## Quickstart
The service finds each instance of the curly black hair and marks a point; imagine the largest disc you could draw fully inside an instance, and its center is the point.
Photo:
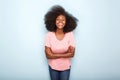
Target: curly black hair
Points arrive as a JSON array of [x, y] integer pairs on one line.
[[53, 13]]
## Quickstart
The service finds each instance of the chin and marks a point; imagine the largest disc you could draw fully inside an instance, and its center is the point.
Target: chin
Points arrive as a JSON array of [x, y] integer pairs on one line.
[[60, 27]]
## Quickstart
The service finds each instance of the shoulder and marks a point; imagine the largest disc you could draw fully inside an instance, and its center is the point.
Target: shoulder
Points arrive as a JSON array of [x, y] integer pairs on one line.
[[69, 33], [49, 34]]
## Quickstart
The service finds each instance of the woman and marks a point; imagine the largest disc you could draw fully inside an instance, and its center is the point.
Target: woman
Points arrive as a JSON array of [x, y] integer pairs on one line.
[[59, 44]]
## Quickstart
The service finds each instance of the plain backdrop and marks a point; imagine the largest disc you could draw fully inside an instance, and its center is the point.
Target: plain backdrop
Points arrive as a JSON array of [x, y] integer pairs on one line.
[[22, 38]]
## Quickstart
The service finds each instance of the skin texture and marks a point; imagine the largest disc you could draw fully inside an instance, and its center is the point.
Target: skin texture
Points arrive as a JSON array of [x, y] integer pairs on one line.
[[60, 23]]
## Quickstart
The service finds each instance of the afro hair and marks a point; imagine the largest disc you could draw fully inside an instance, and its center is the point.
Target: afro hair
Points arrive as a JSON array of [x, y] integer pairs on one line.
[[53, 13]]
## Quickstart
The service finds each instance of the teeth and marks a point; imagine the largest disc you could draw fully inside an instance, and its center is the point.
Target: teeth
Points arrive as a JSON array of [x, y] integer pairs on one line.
[[60, 24]]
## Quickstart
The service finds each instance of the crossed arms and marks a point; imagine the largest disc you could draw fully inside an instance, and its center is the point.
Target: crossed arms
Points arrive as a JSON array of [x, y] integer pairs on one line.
[[51, 55]]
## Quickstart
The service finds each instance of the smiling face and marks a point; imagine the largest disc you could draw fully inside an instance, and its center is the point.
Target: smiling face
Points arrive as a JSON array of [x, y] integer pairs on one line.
[[60, 21]]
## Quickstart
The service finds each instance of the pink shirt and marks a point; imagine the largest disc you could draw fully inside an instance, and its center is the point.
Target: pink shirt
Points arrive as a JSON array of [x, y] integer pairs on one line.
[[59, 46]]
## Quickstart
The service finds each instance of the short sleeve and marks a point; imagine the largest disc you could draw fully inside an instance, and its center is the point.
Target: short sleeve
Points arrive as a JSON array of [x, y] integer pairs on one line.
[[47, 40], [71, 40]]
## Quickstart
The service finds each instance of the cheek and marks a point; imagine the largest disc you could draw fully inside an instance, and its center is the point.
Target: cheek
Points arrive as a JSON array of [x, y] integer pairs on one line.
[[57, 21], [64, 22]]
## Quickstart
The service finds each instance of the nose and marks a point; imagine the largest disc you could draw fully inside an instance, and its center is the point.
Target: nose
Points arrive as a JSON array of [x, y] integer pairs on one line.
[[60, 21]]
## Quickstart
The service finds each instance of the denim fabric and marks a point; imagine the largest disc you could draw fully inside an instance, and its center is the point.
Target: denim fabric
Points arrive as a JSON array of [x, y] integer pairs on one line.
[[59, 75]]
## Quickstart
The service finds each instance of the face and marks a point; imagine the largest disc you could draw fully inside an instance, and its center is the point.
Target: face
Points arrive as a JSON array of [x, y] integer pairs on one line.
[[60, 21]]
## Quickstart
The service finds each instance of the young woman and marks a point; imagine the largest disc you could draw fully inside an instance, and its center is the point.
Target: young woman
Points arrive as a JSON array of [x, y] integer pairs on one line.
[[60, 43]]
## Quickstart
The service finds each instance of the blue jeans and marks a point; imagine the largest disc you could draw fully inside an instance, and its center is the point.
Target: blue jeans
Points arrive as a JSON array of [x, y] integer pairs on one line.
[[59, 75]]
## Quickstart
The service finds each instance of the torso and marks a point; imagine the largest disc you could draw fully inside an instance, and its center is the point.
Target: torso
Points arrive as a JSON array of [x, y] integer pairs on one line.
[[59, 44]]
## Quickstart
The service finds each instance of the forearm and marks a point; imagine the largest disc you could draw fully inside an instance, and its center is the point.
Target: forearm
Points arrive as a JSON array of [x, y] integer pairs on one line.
[[60, 55], [51, 55], [67, 55], [70, 53]]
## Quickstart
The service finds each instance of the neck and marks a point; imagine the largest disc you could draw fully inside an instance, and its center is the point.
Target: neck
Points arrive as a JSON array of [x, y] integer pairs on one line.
[[59, 31]]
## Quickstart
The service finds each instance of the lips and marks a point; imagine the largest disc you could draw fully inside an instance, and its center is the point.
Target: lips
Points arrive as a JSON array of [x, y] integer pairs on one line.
[[60, 24]]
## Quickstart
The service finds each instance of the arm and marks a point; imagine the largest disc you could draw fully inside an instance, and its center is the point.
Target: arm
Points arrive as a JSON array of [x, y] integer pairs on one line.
[[70, 53], [51, 55]]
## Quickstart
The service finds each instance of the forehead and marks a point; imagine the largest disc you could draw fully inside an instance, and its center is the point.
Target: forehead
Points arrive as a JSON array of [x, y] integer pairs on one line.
[[61, 16]]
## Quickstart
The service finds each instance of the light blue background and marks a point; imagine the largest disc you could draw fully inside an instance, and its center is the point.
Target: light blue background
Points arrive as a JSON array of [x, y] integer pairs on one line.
[[22, 33]]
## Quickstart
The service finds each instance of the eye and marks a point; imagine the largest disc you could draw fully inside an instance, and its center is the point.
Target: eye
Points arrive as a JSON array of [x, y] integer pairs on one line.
[[57, 19], [63, 20], [60, 19]]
